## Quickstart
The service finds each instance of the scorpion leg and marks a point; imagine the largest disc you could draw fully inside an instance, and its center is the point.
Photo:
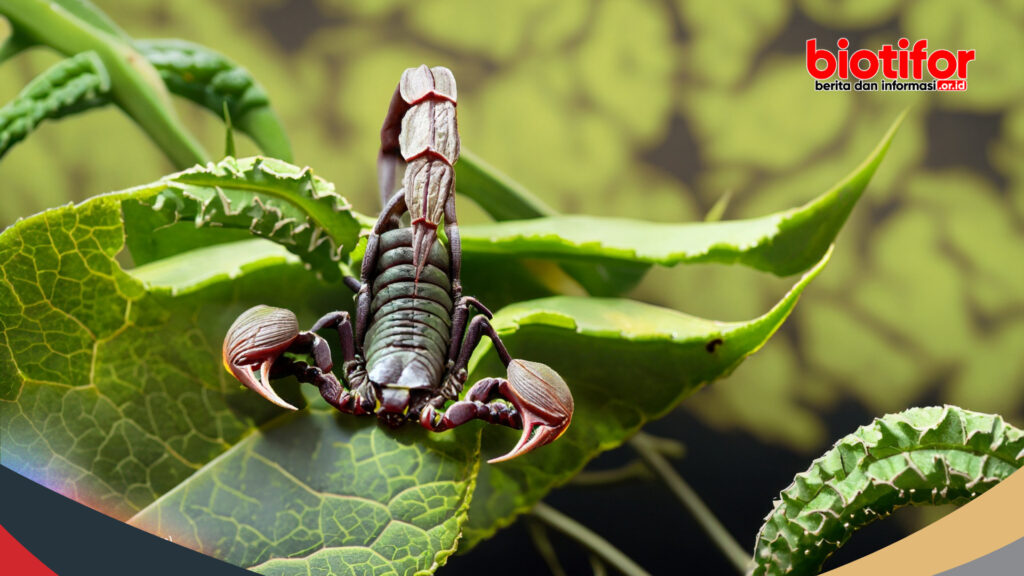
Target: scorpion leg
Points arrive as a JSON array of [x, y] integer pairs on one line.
[[352, 283], [541, 403], [534, 398], [362, 397], [459, 316], [451, 229], [479, 327], [464, 341]]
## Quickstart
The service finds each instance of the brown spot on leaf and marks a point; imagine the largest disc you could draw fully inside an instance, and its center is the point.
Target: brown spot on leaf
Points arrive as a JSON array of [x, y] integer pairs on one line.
[[713, 345]]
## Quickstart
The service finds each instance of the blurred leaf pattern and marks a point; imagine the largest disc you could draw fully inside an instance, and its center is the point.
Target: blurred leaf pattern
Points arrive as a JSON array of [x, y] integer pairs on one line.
[[654, 110]]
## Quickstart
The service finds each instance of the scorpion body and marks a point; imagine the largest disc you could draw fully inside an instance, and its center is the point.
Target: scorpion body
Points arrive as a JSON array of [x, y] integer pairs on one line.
[[405, 356], [407, 343]]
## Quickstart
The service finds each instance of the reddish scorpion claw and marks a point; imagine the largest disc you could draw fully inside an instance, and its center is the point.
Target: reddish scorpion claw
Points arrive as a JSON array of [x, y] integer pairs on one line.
[[543, 401], [257, 338]]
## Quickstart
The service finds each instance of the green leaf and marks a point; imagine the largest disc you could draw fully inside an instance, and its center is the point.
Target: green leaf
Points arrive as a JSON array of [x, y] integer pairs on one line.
[[213, 81], [261, 196], [783, 243], [92, 15], [921, 456], [626, 363], [187, 69], [72, 85], [315, 492], [229, 133], [498, 195], [112, 392], [505, 199], [193, 270], [13, 45]]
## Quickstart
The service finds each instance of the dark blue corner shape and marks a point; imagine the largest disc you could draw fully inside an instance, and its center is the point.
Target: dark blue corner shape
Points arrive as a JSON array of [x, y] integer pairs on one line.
[[73, 539]]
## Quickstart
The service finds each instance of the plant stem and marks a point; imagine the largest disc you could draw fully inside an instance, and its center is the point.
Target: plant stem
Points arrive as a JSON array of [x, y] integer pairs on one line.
[[586, 537], [718, 209], [634, 470], [543, 545], [667, 447], [597, 566], [135, 85], [692, 502]]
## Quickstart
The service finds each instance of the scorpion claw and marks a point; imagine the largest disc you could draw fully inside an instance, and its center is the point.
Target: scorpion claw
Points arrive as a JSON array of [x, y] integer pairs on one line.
[[257, 338], [543, 401]]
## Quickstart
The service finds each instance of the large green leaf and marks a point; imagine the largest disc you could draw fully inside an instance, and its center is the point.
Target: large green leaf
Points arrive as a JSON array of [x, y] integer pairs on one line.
[[102, 378], [318, 492], [782, 243], [113, 393], [626, 363]]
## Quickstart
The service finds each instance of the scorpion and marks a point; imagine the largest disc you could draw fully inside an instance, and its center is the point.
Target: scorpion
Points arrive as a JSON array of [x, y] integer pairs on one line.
[[407, 351]]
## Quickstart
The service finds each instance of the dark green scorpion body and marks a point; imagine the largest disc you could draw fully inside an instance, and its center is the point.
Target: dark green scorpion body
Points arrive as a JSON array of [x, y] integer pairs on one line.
[[406, 344]]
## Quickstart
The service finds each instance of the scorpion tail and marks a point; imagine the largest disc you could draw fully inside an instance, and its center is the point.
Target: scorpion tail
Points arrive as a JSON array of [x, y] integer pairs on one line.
[[424, 233]]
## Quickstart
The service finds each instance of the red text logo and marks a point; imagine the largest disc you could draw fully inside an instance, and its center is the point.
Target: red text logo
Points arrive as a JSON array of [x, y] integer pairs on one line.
[[904, 62]]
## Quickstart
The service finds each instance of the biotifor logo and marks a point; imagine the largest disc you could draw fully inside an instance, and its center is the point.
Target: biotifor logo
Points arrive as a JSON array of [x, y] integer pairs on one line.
[[903, 68]]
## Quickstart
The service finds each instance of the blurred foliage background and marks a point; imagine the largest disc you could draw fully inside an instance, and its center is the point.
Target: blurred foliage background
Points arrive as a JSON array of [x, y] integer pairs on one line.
[[654, 110]]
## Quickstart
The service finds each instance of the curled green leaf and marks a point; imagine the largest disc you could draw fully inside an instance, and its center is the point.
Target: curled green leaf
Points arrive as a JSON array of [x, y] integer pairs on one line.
[[921, 456], [75, 26], [184, 68], [213, 81], [266, 197], [72, 85]]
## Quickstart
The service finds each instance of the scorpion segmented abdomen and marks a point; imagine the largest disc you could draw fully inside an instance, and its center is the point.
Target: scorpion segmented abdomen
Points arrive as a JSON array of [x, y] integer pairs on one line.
[[406, 344]]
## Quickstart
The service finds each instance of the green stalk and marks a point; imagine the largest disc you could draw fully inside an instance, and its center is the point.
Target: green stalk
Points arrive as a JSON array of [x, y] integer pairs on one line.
[[543, 545], [661, 467], [591, 541], [136, 86]]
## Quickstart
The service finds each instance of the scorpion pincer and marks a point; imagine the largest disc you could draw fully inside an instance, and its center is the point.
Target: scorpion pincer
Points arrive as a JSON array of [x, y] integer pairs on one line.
[[405, 356]]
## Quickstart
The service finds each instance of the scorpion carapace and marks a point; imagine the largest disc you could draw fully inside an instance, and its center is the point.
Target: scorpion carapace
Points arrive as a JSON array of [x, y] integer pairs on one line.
[[405, 356]]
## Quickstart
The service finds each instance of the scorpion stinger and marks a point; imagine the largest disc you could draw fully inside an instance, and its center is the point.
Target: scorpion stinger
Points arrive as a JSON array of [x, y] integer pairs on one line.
[[407, 350]]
